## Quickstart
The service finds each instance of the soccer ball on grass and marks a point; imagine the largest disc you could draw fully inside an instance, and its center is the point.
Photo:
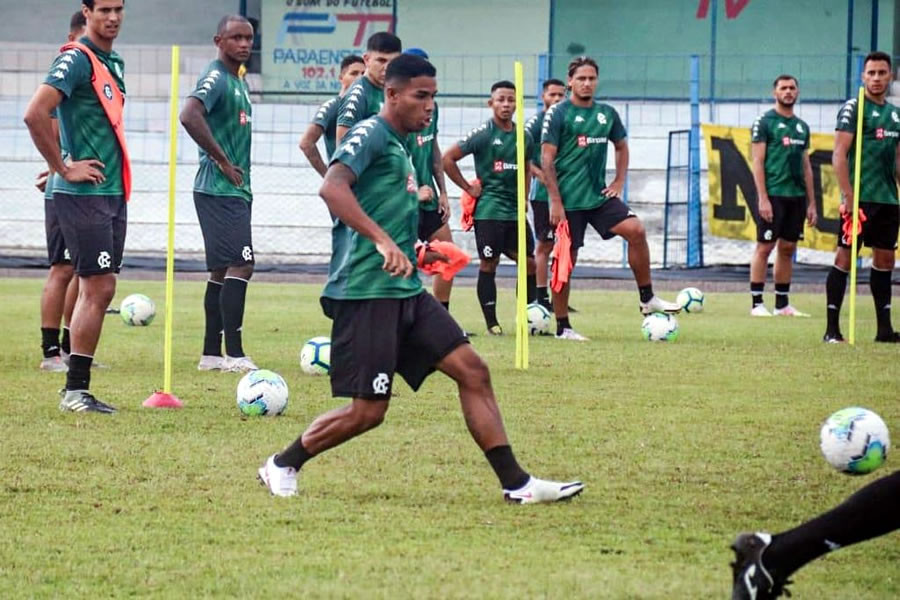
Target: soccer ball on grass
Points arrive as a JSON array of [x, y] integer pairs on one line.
[[690, 299], [855, 441], [137, 309], [262, 393], [538, 319], [315, 356], [660, 327]]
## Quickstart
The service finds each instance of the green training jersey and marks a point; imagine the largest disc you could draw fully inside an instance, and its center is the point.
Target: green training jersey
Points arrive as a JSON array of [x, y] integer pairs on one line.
[[421, 148], [386, 190], [362, 100], [786, 140], [581, 136], [326, 118], [494, 151], [226, 98], [84, 128], [881, 133], [533, 127]]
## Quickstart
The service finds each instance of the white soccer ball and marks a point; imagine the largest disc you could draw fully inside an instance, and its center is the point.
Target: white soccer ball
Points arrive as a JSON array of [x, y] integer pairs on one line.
[[538, 319], [315, 356], [690, 299], [137, 309], [660, 327], [262, 393], [855, 441]]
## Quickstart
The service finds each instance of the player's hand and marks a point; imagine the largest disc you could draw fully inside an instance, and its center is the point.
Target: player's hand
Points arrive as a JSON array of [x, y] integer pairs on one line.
[[557, 213], [433, 256], [396, 263], [41, 181], [765, 210], [84, 171], [444, 207], [812, 216], [613, 190], [233, 173], [475, 189], [425, 193]]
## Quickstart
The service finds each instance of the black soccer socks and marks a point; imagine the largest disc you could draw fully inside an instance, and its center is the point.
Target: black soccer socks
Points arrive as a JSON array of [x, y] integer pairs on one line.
[[233, 296], [50, 341], [880, 284], [79, 375], [487, 297], [835, 287], [508, 471], [756, 292], [782, 294], [212, 339]]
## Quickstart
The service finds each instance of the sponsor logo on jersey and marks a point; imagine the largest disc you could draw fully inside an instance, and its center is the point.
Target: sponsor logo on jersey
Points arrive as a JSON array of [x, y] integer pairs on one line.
[[500, 166], [421, 140], [411, 184], [882, 133], [243, 118], [585, 140], [787, 141]]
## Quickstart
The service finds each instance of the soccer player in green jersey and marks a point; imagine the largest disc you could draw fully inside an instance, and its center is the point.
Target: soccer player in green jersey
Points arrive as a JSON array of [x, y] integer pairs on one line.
[[218, 117], [493, 146], [383, 321], [763, 561], [784, 191], [89, 188], [877, 195], [366, 96], [61, 288], [325, 121], [434, 206], [553, 92], [574, 140]]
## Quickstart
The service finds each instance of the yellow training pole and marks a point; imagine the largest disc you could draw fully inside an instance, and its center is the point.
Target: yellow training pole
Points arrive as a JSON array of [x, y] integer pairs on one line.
[[857, 169], [166, 399], [522, 263]]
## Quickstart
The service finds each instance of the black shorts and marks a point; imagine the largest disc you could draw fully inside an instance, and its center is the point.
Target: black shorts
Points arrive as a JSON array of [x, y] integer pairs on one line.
[[602, 218], [542, 229], [93, 228], [429, 222], [788, 215], [495, 237], [880, 229], [225, 224], [373, 339], [57, 253]]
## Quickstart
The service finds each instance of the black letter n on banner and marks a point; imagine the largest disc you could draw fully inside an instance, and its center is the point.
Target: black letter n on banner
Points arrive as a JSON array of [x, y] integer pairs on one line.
[[734, 174]]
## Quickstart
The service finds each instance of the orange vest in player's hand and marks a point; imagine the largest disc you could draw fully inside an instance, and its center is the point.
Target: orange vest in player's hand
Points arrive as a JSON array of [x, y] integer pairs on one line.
[[113, 102]]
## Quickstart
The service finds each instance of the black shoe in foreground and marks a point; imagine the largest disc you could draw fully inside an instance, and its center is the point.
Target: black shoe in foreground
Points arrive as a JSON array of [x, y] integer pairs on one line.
[[82, 401], [833, 338], [890, 338], [751, 580]]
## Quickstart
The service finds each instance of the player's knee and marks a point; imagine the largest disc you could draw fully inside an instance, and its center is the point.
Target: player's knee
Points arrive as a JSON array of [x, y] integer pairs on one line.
[[98, 289], [635, 231], [61, 273], [787, 249], [544, 248], [530, 266], [368, 414], [218, 275], [883, 260], [475, 372], [488, 265], [242, 271], [842, 259]]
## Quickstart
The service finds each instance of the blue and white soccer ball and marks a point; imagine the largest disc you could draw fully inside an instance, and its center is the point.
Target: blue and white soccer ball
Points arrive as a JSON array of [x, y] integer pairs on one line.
[[315, 356], [855, 441], [690, 299], [660, 327], [538, 319], [137, 309], [262, 393]]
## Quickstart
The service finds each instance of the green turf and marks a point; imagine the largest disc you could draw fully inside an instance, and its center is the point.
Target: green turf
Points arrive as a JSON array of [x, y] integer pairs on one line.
[[680, 445]]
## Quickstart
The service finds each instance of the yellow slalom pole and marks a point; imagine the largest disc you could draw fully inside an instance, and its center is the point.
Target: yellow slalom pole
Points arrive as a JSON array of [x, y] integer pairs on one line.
[[522, 263], [857, 169], [170, 246], [166, 399]]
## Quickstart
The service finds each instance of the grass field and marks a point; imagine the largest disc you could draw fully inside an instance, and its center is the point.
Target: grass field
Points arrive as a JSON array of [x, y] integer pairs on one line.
[[681, 446]]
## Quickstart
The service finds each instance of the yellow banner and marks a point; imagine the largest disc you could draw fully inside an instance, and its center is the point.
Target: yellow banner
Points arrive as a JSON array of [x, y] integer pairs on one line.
[[732, 193]]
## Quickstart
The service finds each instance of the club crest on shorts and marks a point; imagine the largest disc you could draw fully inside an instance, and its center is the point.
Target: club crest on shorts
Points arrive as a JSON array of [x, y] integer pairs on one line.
[[104, 260], [247, 254], [380, 384]]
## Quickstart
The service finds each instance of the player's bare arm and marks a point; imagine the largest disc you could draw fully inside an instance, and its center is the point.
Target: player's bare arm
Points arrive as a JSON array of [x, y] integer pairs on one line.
[[193, 118], [843, 143], [614, 189], [551, 182], [451, 157], [338, 195], [758, 150], [812, 216], [536, 172], [438, 170], [46, 139], [308, 146]]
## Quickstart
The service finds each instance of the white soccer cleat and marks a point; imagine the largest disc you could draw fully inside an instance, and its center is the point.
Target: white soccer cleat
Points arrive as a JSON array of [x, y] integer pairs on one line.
[[243, 364], [54, 364], [789, 311], [657, 304], [539, 490], [760, 310], [209, 362], [281, 481], [570, 334]]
